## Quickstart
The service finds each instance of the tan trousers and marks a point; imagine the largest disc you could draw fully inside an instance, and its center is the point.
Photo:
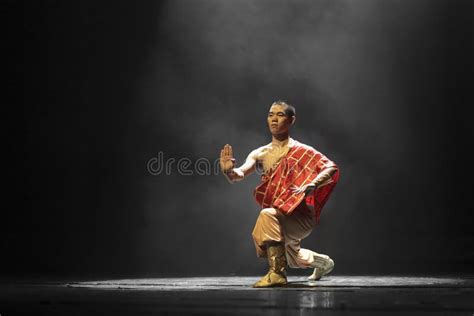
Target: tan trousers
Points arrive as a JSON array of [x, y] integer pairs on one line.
[[274, 226]]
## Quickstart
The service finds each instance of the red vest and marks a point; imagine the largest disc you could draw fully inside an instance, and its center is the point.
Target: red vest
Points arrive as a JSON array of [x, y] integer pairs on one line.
[[300, 166]]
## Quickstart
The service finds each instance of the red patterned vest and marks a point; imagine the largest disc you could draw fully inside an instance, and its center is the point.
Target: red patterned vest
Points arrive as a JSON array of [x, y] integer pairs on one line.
[[300, 166]]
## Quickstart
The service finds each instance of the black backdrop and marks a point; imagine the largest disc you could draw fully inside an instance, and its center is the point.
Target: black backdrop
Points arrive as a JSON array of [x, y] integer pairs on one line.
[[97, 89]]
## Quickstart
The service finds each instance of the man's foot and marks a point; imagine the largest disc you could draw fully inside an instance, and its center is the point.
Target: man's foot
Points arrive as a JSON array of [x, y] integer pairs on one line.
[[271, 279], [276, 275], [321, 271]]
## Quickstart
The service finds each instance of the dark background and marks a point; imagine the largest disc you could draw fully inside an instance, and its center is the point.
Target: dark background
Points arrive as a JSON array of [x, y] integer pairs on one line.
[[97, 89]]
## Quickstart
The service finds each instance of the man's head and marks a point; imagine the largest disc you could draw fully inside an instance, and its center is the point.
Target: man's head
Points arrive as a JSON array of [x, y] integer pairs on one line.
[[280, 117]]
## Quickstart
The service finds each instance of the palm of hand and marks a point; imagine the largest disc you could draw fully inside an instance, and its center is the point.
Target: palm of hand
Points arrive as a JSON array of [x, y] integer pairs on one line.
[[227, 160]]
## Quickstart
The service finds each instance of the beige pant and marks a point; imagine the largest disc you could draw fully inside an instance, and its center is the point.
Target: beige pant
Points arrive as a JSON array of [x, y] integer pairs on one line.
[[274, 226]]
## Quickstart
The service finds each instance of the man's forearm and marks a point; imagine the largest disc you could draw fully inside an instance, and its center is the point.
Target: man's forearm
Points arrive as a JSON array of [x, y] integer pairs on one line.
[[324, 177]]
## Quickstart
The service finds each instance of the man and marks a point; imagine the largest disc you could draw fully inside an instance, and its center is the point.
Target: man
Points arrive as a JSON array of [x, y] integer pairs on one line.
[[296, 183]]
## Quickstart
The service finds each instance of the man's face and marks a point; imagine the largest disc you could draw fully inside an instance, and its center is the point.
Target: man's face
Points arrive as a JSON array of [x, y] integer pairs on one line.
[[278, 121]]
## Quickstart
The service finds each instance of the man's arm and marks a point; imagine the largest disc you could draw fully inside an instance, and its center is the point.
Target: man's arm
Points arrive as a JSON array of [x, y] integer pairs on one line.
[[227, 162], [238, 174], [323, 178]]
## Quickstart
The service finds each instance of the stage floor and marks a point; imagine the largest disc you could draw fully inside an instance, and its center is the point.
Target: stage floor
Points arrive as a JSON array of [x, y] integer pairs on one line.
[[360, 295]]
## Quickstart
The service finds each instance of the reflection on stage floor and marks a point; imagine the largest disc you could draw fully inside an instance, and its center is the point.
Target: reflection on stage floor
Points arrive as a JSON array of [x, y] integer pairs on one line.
[[235, 296]]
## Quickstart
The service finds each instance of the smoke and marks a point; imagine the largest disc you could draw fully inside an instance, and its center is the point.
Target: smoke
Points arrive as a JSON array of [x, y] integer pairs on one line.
[[211, 82], [216, 68]]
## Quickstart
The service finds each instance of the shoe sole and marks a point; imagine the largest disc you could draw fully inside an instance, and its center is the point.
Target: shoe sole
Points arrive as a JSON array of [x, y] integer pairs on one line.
[[271, 285]]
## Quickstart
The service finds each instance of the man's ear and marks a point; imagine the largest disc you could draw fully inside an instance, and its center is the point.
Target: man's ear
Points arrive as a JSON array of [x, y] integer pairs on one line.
[[293, 119]]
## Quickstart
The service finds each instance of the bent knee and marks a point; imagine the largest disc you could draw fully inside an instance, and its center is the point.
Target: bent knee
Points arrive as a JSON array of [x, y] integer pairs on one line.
[[268, 212]]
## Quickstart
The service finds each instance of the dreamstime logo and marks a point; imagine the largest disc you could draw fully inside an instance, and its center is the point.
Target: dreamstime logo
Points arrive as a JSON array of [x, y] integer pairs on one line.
[[185, 166]]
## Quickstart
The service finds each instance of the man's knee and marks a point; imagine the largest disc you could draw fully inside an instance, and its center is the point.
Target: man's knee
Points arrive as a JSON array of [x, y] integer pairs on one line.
[[267, 223], [270, 211]]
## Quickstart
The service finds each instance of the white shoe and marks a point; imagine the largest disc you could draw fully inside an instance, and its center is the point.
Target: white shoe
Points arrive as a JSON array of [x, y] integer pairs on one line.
[[322, 271]]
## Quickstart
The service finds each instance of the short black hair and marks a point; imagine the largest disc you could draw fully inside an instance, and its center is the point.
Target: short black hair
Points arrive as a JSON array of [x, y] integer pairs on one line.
[[290, 110]]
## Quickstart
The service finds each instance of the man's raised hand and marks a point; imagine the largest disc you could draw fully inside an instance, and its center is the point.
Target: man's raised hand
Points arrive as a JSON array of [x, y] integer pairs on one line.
[[227, 160]]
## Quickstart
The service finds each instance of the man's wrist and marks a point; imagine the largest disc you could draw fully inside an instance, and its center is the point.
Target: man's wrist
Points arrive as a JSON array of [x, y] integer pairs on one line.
[[229, 172]]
